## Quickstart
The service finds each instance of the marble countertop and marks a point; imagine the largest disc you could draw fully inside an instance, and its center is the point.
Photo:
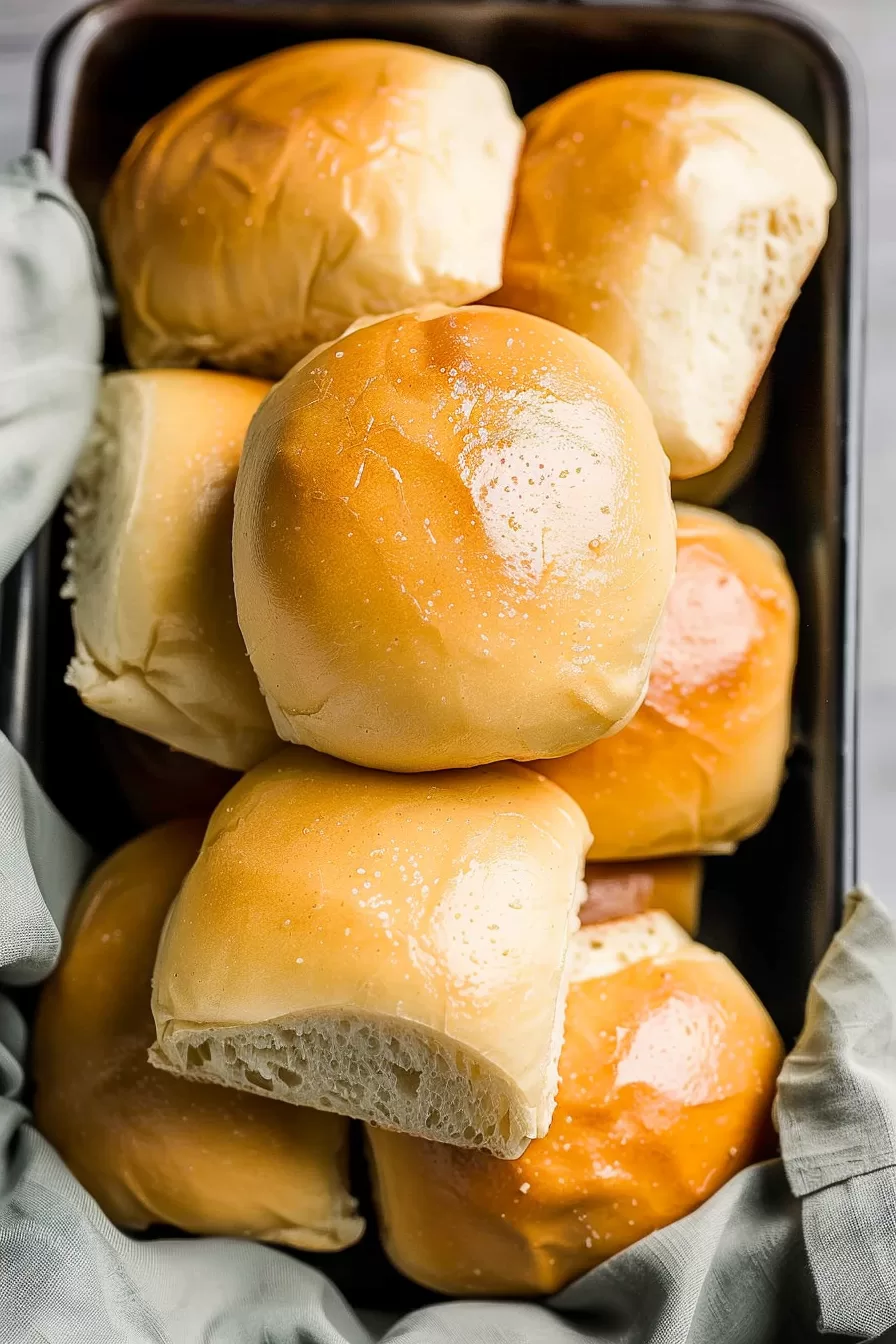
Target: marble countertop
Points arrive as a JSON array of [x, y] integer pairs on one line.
[[870, 28]]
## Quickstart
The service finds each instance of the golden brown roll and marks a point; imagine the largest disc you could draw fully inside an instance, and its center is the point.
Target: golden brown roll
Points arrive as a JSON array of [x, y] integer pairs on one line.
[[148, 1147], [391, 947], [713, 487], [699, 767], [621, 890], [275, 203], [453, 539], [157, 644], [667, 1078], [672, 220]]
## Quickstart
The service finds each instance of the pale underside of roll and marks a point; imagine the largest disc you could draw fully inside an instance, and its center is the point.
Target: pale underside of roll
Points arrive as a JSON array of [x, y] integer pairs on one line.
[[157, 644]]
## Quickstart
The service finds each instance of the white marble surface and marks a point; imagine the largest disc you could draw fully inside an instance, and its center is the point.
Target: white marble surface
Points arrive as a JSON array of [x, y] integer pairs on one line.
[[870, 28]]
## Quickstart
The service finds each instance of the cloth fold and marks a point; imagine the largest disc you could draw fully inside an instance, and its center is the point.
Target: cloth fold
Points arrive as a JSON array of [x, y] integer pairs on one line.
[[836, 1111], [50, 341], [787, 1248]]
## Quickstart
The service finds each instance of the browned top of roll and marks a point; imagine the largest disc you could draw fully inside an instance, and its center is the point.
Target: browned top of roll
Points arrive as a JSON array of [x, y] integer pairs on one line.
[[453, 538], [273, 204], [699, 767]]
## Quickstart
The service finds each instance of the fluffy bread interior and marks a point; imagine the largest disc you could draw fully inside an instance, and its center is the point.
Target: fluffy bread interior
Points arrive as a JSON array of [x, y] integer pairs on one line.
[[388, 1072], [600, 950], [721, 312]]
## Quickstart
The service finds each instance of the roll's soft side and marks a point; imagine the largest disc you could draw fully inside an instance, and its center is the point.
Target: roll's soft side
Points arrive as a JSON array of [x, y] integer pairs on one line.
[[157, 644], [390, 947], [672, 220]]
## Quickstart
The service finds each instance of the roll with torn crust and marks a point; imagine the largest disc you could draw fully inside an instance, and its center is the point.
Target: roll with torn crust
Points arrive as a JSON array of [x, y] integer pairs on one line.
[[275, 203], [667, 1079], [699, 767], [391, 947], [453, 539], [148, 1147], [672, 220], [157, 644]]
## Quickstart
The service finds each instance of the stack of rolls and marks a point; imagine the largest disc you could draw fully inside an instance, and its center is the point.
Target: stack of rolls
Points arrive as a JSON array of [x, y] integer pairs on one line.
[[472, 696]]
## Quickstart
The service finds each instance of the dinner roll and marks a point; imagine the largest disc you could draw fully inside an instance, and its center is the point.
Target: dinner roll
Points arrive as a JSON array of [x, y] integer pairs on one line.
[[672, 220], [148, 1147], [453, 539], [667, 1078], [275, 203], [714, 487], [157, 645], [699, 767], [619, 890], [390, 947]]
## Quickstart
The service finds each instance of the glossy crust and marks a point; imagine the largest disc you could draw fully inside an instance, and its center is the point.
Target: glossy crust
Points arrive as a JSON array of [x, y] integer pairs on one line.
[[431, 909], [453, 539], [667, 1079], [699, 767], [148, 1147], [621, 890], [672, 220], [275, 203], [157, 644]]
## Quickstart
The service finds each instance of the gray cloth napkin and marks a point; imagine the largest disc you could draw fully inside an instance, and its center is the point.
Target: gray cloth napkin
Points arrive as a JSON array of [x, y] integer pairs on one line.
[[50, 339], [786, 1249]]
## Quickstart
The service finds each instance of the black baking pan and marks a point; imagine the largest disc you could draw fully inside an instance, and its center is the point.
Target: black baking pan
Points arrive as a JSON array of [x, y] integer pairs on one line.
[[772, 906]]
